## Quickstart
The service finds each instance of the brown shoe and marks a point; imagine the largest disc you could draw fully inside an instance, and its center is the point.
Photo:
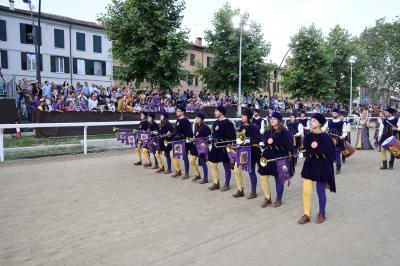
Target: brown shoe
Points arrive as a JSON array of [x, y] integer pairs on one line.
[[252, 195], [138, 163], [238, 194], [277, 203], [214, 187], [147, 165], [185, 176], [225, 188], [203, 181], [304, 219], [197, 177], [266, 203], [177, 173], [167, 172], [320, 218], [160, 170]]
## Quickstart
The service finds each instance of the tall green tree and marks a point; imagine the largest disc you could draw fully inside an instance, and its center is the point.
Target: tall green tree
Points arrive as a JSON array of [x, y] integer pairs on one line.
[[381, 44], [340, 45], [147, 40], [223, 42], [307, 73]]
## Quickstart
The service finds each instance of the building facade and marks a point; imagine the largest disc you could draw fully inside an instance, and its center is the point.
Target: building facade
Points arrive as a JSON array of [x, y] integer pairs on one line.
[[71, 50]]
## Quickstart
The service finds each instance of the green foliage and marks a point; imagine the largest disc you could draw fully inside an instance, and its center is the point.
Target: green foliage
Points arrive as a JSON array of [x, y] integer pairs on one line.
[[147, 40], [340, 46], [307, 75], [223, 42], [381, 45]]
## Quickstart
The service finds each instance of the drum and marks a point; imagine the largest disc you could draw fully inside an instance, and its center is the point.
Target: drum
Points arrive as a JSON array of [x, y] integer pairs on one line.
[[392, 144], [348, 150]]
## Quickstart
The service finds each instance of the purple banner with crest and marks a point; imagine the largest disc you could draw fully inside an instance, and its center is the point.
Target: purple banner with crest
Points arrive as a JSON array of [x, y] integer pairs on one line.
[[143, 136], [131, 139], [243, 158], [201, 145], [178, 149], [283, 169]]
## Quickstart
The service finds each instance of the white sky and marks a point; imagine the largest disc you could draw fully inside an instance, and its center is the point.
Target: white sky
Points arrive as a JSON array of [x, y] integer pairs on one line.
[[279, 19]]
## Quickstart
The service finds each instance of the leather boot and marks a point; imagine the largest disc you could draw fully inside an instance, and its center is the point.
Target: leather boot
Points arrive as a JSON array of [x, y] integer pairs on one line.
[[197, 177], [384, 165], [177, 173], [214, 187], [343, 159], [391, 164], [238, 194], [338, 167], [138, 163], [167, 172], [277, 203], [266, 203], [160, 170], [225, 188], [185, 176], [320, 218], [252, 195], [203, 181], [304, 219], [147, 165]]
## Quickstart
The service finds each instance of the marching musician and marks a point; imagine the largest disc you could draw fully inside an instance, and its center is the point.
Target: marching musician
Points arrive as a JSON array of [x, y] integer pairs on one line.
[[222, 130], [166, 131], [143, 126], [251, 131], [257, 120], [183, 130], [305, 122], [320, 152], [389, 127], [343, 117], [278, 142], [153, 127], [338, 131], [297, 130], [201, 130]]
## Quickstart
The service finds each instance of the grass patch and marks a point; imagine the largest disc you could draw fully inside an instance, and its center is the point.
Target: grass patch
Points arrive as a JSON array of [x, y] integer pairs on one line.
[[48, 152], [33, 141]]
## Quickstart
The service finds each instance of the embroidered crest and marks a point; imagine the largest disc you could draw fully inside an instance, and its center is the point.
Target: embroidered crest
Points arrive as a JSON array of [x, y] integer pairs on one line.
[[314, 144], [217, 127], [270, 141]]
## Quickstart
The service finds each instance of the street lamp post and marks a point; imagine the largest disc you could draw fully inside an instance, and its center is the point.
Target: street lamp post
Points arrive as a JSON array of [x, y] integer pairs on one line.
[[35, 35], [352, 60], [238, 22]]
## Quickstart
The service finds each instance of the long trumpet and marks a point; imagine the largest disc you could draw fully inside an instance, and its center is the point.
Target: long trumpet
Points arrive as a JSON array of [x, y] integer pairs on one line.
[[240, 139], [264, 161], [190, 140]]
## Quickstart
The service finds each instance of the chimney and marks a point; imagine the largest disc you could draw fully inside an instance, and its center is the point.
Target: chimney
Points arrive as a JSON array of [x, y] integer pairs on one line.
[[11, 4], [199, 41]]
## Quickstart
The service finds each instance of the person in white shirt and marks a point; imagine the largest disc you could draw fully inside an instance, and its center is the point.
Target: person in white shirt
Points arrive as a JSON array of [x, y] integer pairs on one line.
[[93, 103]]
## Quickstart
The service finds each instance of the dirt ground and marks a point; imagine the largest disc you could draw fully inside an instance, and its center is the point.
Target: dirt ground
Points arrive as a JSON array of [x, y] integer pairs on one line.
[[102, 210]]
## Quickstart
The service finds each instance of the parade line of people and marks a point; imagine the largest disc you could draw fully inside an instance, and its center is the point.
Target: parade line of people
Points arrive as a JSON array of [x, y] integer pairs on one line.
[[269, 144]]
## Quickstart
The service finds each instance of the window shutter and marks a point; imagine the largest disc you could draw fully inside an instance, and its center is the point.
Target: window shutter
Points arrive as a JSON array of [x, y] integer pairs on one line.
[[103, 68], [4, 59], [22, 33], [88, 64], [58, 38], [3, 30], [80, 41], [23, 61], [74, 66], [96, 44], [52, 63], [66, 65]]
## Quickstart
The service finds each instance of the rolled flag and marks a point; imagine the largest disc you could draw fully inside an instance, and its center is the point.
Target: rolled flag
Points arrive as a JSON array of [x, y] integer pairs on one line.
[[232, 156], [179, 149], [243, 158], [201, 145]]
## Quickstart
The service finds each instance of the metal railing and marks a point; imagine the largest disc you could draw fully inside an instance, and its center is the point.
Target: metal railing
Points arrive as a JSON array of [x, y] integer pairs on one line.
[[85, 126]]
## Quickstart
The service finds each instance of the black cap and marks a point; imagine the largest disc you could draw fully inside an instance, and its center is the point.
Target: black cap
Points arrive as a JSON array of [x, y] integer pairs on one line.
[[247, 113], [182, 108], [221, 109], [200, 115], [321, 119]]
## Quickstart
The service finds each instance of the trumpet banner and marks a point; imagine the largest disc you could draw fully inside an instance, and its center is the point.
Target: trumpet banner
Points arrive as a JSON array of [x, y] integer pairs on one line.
[[243, 158], [201, 145], [179, 149], [283, 169], [154, 144], [143, 136]]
